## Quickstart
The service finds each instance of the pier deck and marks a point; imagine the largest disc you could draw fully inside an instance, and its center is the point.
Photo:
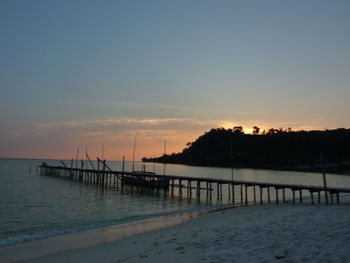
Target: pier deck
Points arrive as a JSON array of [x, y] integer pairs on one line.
[[106, 177]]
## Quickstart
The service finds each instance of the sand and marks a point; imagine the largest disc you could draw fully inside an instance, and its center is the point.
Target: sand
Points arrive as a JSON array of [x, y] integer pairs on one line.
[[267, 233]]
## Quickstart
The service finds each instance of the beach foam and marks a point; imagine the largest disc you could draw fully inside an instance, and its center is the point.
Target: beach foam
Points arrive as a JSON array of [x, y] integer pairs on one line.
[[267, 233]]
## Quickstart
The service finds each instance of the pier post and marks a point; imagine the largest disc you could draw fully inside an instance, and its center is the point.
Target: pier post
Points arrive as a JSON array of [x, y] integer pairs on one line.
[[98, 172], [301, 195], [268, 194], [81, 171], [233, 192], [324, 178], [217, 190], [103, 173], [207, 190], [210, 192], [246, 194], [172, 187], [254, 194], [229, 192], [220, 192], [180, 187], [261, 196], [293, 196], [198, 189], [276, 189]]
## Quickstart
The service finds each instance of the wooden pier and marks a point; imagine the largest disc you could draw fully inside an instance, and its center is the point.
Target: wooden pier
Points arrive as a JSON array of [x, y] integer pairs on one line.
[[207, 188]]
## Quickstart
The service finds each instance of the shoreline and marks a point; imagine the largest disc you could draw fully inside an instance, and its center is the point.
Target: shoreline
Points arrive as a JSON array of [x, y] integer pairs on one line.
[[95, 237], [266, 233]]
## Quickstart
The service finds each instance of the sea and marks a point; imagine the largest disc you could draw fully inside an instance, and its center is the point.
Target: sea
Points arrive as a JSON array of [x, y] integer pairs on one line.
[[33, 206]]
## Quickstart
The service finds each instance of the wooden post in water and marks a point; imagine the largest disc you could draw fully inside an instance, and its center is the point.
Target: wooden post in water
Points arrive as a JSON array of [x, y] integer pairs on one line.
[[207, 190], [254, 194], [261, 195], [268, 194], [76, 159], [324, 178], [88, 157], [81, 172], [246, 194], [233, 192], [180, 187], [210, 192], [98, 171], [188, 188], [229, 192], [220, 192], [190, 183], [241, 193], [198, 189], [133, 156], [164, 156], [217, 191], [172, 187], [103, 173], [293, 196]]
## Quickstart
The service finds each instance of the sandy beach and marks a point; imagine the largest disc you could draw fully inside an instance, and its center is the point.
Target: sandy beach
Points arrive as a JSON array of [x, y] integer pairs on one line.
[[268, 233]]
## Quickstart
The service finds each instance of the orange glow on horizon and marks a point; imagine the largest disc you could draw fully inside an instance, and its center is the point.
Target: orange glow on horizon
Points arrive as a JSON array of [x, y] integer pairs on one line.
[[60, 140]]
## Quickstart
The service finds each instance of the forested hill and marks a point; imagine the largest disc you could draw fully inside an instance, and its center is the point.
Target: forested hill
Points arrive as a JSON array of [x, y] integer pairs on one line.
[[276, 149]]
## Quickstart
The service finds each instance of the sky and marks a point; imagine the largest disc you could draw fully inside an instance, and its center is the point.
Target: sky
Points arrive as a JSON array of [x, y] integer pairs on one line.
[[81, 73]]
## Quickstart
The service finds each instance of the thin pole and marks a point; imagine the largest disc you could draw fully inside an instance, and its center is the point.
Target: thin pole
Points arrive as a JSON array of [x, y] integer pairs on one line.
[[102, 151], [231, 158], [154, 166], [133, 156], [164, 156], [88, 157], [324, 178], [76, 159]]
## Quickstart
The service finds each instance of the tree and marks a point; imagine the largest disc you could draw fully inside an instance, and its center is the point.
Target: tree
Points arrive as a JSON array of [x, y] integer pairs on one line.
[[238, 129], [256, 130]]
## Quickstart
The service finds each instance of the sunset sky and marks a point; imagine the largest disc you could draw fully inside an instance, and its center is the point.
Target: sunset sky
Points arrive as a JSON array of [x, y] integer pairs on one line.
[[86, 73]]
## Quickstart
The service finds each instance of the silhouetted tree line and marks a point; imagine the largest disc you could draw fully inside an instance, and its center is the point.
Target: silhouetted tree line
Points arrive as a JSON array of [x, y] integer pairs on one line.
[[273, 149]]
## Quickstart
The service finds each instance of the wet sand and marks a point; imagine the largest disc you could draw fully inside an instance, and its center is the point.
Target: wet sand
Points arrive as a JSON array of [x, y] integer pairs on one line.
[[89, 238], [267, 233]]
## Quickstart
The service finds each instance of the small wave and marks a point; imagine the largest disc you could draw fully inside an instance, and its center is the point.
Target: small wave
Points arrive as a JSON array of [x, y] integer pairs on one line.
[[45, 234]]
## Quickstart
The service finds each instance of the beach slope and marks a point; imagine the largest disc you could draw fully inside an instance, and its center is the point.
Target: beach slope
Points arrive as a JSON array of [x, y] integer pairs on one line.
[[268, 233]]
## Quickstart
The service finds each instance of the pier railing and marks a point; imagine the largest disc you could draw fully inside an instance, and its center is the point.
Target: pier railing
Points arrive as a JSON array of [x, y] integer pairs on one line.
[[185, 186]]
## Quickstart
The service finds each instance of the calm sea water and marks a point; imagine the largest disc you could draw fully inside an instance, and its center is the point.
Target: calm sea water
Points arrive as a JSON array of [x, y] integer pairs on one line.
[[34, 206]]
